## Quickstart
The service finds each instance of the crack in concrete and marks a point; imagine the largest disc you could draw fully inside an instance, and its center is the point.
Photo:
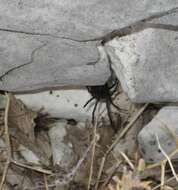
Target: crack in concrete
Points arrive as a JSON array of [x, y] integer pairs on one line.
[[130, 29], [20, 66], [140, 24], [38, 34]]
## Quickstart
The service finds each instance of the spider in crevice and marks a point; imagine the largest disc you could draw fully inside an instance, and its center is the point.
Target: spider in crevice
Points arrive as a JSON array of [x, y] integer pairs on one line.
[[103, 93]]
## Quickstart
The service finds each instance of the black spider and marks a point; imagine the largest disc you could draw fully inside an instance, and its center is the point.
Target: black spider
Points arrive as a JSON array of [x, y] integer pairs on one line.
[[103, 93]]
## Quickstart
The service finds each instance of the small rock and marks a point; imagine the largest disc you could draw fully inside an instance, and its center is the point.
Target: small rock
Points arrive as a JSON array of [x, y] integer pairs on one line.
[[28, 155], [62, 153], [164, 126]]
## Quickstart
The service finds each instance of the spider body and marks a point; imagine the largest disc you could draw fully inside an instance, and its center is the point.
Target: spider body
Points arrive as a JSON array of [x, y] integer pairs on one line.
[[103, 93], [99, 92]]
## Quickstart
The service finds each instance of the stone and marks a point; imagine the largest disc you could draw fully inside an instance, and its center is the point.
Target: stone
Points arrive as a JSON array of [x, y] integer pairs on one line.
[[39, 64], [63, 103], [28, 155], [79, 20], [164, 126], [46, 44], [62, 153], [146, 64]]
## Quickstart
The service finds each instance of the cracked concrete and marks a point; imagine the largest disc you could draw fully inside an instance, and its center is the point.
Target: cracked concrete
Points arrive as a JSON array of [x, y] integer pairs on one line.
[[56, 62], [20, 66], [72, 33]]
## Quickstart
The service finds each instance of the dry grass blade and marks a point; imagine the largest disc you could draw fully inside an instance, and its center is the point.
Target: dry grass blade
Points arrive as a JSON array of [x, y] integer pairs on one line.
[[46, 182], [106, 182], [92, 157], [99, 173], [158, 186], [163, 165], [37, 169], [128, 181], [7, 139], [127, 160], [121, 135], [168, 159]]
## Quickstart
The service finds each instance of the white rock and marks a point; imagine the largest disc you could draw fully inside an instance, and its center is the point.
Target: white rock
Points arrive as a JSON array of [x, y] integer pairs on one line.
[[66, 104], [62, 153], [28, 155], [164, 126]]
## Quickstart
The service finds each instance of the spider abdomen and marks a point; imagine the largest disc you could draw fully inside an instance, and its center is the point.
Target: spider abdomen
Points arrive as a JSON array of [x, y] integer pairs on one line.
[[99, 92]]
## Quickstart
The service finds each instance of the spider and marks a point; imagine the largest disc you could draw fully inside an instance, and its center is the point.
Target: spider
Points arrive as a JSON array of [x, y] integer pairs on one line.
[[103, 93]]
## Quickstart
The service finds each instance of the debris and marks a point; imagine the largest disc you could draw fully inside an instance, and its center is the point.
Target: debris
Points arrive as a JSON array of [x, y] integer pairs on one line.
[[22, 118]]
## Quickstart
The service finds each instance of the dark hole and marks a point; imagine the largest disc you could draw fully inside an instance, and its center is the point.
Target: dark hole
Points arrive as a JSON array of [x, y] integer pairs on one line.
[[159, 150]]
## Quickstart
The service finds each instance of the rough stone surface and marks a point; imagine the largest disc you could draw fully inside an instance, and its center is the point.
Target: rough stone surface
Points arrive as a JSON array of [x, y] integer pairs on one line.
[[28, 155], [146, 63], [41, 43], [164, 126], [64, 103], [29, 63], [62, 152], [80, 19]]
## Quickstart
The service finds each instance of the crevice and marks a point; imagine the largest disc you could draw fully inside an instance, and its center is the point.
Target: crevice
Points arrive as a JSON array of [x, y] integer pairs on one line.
[[20, 66], [37, 34], [142, 25]]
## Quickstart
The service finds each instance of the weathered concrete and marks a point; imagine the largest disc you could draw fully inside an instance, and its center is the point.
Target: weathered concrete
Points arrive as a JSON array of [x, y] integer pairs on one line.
[[146, 61], [41, 41], [164, 126], [30, 63], [80, 19]]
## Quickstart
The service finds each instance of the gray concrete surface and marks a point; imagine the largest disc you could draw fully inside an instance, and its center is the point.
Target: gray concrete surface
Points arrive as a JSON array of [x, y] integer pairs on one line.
[[46, 44]]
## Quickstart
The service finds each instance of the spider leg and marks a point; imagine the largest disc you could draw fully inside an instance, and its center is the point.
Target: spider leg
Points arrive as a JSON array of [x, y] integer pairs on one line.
[[115, 88], [114, 105], [115, 84], [110, 117], [93, 113], [121, 111], [88, 102]]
